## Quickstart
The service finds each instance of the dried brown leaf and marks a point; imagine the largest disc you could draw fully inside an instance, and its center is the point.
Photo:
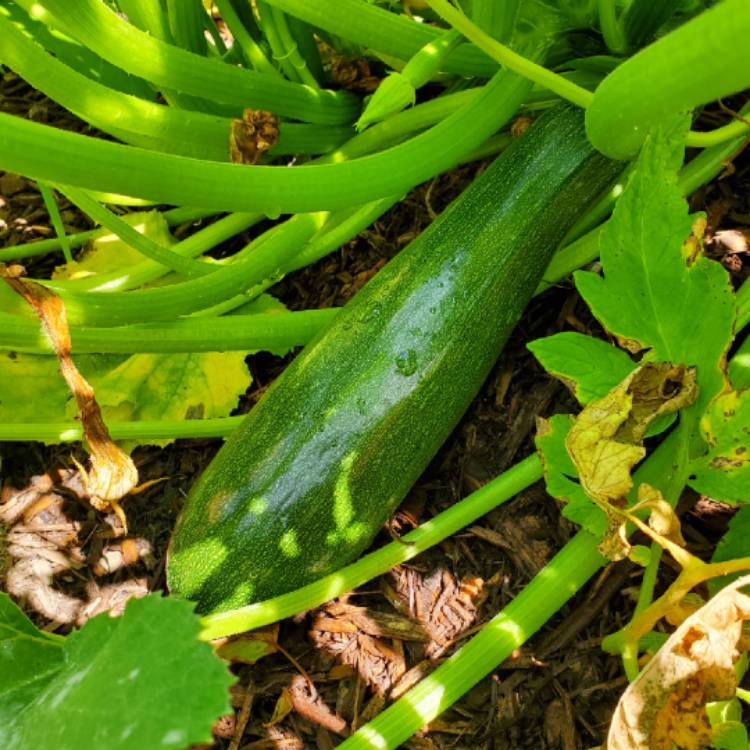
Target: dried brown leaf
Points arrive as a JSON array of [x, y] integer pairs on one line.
[[284, 706], [252, 136], [665, 705], [111, 474]]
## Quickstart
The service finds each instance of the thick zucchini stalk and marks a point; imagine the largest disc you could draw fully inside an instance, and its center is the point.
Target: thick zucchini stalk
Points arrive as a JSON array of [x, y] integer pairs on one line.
[[311, 475]]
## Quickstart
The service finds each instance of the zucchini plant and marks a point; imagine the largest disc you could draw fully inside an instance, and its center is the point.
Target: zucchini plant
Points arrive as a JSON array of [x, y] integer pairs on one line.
[[252, 123]]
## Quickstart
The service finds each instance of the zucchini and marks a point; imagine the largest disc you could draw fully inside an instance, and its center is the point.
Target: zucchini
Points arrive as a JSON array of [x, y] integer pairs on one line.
[[318, 465]]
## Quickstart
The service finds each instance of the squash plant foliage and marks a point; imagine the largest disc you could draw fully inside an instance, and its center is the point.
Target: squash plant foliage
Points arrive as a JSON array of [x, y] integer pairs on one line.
[[665, 401]]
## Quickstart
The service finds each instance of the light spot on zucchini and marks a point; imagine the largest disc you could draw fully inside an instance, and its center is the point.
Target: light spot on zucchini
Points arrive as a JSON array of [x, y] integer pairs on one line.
[[289, 545], [258, 505], [343, 509]]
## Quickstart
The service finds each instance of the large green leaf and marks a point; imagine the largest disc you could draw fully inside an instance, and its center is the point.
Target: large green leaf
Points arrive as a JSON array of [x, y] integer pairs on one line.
[[142, 680], [28, 658], [652, 293]]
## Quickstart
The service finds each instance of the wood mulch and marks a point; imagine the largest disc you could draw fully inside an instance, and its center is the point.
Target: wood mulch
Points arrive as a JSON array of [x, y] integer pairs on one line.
[[334, 668]]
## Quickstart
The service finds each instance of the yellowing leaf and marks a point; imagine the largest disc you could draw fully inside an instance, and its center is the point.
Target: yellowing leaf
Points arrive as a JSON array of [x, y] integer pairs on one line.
[[250, 647], [662, 519], [724, 472], [559, 475], [22, 378], [605, 441], [172, 386], [284, 706], [665, 706], [109, 253], [603, 463]]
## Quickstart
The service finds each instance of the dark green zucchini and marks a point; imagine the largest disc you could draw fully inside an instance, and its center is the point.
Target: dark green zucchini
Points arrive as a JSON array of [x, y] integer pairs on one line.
[[311, 475]]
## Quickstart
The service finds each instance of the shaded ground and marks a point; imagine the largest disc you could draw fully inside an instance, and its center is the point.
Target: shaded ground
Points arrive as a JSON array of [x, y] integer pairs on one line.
[[363, 651]]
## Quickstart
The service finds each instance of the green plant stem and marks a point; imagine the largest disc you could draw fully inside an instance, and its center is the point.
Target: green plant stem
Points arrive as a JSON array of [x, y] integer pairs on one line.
[[389, 33], [652, 85], [610, 26], [275, 332], [271, 251], [99, 28], [135, 120], [54, 214], [510, 59], [267, 23], [495, 18], [43, 152], [645, 597], [557, 582], [219, 48], [41, 247], [140, 242], [381, 560], [148, 15], [186, 25], [287, 52], [72, 432], [339, 230], [289, 43], [731, 131]]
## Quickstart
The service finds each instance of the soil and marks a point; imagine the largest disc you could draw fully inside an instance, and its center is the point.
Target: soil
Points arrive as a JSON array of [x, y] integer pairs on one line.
[[64, 563]]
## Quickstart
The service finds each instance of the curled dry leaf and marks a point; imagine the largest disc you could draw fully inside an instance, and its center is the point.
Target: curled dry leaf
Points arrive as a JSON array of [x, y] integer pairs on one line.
[[112, 473], [665, 706], [252, 136], [606, 440], [662, 519]]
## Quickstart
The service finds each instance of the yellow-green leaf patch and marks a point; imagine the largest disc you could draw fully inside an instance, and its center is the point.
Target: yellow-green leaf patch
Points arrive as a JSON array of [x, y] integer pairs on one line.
[[560, 475], [723, 473]]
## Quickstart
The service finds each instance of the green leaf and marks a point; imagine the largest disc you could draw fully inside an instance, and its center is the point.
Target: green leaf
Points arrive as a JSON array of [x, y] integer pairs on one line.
[[142, 680], [651, 294], [724, 472], [739, 366], [734, 545], [590, 367], [560, 474], [730, 735], [28, 657], [22, 378]]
